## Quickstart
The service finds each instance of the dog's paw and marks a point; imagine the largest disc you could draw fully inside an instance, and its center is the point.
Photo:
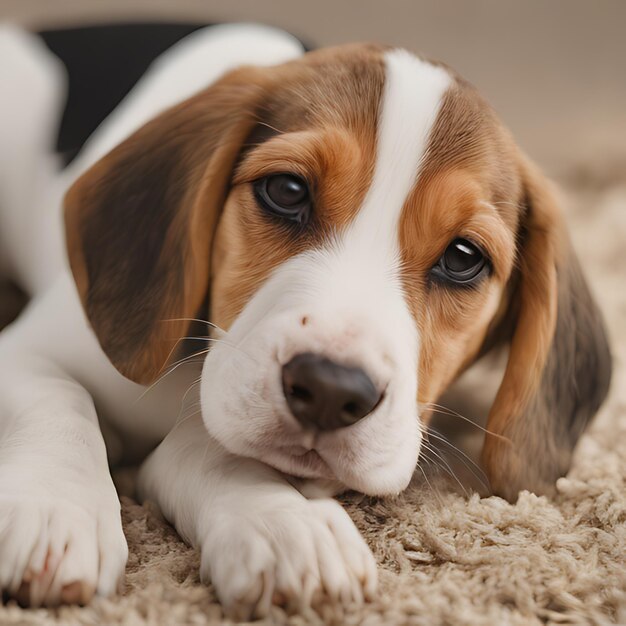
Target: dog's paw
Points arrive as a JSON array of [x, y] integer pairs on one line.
[[293, 555], [55, 552]]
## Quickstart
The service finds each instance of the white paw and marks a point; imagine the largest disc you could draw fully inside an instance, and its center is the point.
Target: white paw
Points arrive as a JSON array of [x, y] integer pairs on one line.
[[292, 554], [55, 552]]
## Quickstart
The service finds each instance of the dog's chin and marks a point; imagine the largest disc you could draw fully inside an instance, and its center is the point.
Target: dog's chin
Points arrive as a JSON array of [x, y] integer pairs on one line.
[[313, 465], [305, 464], [329, 458]]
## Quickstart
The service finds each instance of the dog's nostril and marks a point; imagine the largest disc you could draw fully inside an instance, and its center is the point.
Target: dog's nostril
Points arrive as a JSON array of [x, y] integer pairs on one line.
[[325, 395], [300, 393], [351, 408]]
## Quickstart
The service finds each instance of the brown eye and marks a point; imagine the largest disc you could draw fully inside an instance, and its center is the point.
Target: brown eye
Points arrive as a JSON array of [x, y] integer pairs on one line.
[[284, 195], [462, 263]]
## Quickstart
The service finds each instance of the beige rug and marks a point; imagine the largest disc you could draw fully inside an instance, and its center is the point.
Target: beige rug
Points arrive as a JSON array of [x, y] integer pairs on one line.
[[446, 557]]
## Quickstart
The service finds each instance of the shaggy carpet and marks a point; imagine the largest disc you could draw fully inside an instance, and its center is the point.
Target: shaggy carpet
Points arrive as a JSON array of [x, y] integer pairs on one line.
[[446, 555]]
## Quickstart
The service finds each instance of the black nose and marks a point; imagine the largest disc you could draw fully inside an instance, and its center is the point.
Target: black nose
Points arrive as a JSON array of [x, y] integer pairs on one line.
[[327, 395]]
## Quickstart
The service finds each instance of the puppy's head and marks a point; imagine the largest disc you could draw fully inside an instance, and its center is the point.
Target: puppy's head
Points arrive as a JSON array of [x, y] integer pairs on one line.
[[364, 228]]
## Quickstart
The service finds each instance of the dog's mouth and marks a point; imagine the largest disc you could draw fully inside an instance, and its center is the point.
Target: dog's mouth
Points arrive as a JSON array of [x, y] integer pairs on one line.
[[299, 451], [298, 461], [309, 457]]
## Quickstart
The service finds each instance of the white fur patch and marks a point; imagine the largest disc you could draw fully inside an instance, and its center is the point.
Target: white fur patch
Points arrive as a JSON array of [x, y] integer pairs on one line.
[[367, 255], [411, 102]]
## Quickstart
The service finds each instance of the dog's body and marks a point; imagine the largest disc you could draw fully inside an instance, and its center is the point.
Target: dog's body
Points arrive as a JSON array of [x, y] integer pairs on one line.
[[213, 476]]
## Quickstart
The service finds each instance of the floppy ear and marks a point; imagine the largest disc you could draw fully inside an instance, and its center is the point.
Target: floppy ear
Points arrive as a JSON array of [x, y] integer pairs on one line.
[[559, 365], [140, 223]]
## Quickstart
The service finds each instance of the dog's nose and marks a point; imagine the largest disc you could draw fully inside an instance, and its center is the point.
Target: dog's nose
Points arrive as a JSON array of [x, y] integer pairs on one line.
[[326, 395]]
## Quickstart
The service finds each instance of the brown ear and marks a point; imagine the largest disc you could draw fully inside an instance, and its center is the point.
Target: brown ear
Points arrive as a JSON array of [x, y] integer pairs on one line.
[[559, 365], [140, 223]]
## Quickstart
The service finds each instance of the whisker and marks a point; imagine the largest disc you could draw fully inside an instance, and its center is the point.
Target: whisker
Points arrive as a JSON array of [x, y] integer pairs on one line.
[[464, 458], [196, 406], [440, 471], [210, 339], [186, 418], [184, 398], [428, 448], [169, 356], [431, 464], [449, 469], [213, 340], [433, 491], [186, 359], [224, 342], [438, 408], [171, 370], [173, 366], [173, 349], [194, 319], [192, 338]]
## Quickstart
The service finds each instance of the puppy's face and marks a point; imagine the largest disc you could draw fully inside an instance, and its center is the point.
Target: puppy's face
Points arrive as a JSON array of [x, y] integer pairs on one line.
[[362, 226], [348, 234]]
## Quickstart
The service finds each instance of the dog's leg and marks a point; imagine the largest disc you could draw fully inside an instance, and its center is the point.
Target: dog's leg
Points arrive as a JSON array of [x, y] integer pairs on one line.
[[261, 540], [61, 537]]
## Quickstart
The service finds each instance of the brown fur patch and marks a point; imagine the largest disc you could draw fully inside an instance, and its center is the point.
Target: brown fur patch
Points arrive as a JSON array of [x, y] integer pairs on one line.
[[452, 321]]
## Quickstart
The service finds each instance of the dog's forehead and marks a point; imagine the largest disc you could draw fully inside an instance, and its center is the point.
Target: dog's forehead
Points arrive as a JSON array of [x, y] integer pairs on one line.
[[358, 86], [348, 87]]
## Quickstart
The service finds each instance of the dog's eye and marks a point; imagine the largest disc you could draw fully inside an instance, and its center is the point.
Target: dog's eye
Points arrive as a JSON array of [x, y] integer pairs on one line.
[[463, 263], [284, 195]]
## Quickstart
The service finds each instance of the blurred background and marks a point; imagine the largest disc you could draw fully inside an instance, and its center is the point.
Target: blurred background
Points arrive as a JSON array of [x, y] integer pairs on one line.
[[555, 71]]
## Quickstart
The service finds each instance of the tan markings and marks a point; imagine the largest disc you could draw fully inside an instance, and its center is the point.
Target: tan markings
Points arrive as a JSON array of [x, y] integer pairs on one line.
[[468, 136], [452, 322]]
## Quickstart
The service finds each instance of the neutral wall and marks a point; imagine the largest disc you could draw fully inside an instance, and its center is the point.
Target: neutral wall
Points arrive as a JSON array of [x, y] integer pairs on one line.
[[554, 69]]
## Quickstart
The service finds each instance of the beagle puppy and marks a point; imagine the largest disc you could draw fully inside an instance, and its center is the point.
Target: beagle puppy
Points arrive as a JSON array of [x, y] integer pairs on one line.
[[346, 231]]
